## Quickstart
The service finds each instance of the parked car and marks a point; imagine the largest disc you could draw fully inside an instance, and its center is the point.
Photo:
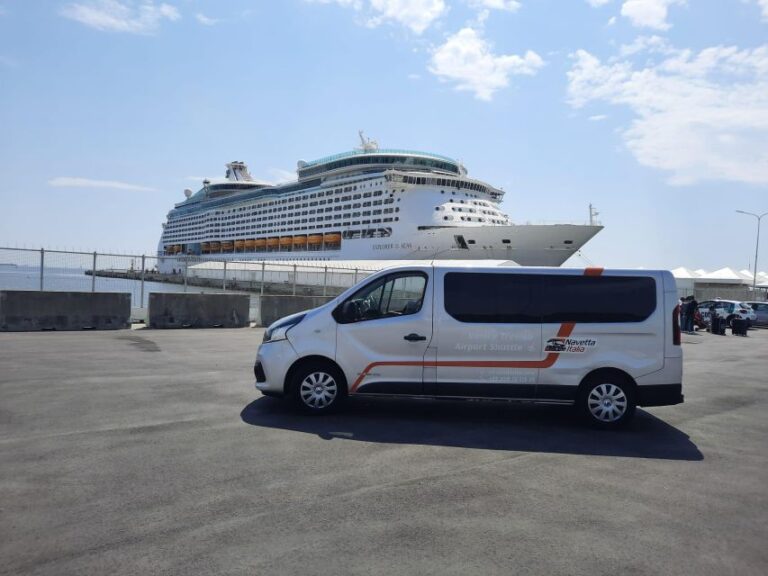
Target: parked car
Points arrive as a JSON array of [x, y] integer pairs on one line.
[[603, 341], [761, 311], [727, 310]]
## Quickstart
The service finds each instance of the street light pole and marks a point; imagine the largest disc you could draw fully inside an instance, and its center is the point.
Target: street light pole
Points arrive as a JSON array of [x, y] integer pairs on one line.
[[757, 243]]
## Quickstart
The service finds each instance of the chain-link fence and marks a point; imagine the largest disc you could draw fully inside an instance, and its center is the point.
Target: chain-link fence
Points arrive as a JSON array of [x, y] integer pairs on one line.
[[56, 270]]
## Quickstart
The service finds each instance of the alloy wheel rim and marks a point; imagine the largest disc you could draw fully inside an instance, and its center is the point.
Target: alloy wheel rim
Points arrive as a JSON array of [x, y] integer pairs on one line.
[[318, 390], [607, 402]]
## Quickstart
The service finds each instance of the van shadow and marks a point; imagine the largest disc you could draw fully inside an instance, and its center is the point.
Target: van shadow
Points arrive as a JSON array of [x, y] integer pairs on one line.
[[483, 425]]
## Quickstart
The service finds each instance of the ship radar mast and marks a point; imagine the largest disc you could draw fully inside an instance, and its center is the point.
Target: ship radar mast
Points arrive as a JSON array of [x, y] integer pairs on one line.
[[367, 144]]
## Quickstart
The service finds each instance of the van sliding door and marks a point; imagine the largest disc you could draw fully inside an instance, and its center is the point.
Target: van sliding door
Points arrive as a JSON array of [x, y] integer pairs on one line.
[[487, 340]]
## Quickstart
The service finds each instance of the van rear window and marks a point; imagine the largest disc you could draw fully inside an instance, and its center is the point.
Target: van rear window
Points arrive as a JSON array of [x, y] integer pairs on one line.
[[479, 297]]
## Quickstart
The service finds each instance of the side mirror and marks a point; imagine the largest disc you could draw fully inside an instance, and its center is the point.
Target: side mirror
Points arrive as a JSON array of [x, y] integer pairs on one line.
[[346, 313]]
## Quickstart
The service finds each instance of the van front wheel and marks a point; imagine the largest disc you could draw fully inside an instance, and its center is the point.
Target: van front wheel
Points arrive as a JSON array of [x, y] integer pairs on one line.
[[607, 403], [318, 388]]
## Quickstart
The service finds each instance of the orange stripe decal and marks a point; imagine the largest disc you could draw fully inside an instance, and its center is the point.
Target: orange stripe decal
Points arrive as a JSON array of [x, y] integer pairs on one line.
[[565, 330]]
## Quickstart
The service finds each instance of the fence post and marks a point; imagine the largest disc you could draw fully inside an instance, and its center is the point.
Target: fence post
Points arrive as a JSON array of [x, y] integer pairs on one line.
[[93, 274], [355, 279], [143, 261], [325, 280], [42, 267], [186, 264], [224, 277], [294, 279], [263, 265]]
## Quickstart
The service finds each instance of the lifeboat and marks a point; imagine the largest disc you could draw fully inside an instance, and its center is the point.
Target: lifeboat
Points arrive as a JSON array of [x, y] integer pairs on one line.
[[239, 245], [315, 239], [286, 242], [260, 243], [300, 241], [250, 245], [215, 246], [332, 238], [273, 243], [227, 246], [205, 247]]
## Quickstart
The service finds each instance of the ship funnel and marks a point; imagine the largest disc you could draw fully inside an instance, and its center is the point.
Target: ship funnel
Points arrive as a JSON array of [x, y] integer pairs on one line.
[[238, 172]]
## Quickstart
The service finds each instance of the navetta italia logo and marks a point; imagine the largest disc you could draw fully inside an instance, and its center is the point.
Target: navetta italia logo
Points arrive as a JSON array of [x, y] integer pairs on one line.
[[570, 345]]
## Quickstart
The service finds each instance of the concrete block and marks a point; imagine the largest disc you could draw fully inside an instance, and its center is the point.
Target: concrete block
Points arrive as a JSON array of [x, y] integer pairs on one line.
[[168, 310], [275, 307], [25, 311]]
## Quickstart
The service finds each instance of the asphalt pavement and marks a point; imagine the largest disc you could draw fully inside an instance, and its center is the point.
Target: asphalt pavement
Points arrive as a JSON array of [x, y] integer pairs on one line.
[[150, 452]]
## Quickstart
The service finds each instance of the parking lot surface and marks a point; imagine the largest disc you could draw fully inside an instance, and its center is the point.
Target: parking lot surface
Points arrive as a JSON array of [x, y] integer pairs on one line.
[[150, 452]]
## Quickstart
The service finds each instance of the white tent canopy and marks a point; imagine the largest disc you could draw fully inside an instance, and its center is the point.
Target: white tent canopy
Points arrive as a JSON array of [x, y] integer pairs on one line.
[[683, 273], [723, 276]]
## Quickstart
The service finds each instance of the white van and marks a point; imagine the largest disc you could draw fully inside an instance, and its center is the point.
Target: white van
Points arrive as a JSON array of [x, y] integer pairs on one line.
[[603, 340]]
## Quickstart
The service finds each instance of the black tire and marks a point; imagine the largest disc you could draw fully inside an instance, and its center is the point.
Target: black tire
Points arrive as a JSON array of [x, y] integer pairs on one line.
[[607, 402], [318, 388], [728, 321]]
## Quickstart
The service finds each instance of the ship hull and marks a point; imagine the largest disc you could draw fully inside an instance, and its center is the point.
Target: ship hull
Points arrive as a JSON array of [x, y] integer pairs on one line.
[[527, 245]]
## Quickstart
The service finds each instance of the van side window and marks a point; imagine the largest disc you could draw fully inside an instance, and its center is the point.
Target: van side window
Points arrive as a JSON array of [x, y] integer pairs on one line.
[[395, 295], [491, 298], [597, 298], [530, 298]]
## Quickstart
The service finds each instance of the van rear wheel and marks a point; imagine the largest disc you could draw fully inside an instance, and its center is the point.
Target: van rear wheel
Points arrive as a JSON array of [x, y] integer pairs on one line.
[[607, 402]]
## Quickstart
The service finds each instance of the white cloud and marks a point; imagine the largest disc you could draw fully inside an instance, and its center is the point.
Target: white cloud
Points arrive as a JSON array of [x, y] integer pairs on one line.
[[417, 15], [414, 76], [281, 176], [598, 117], [508, 5], [466, 59], [611, 21], [75, 182], [764, 8], [651, 44], [117, 16], [697, 115], [205, 20], [597, 3], [648, 13]]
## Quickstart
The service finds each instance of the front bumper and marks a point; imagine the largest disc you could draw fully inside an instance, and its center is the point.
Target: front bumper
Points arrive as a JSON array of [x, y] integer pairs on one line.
[[273, 360], [660, 394]]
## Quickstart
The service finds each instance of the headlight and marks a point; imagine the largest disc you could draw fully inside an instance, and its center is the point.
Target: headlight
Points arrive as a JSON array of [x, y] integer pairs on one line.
[[279, 330]]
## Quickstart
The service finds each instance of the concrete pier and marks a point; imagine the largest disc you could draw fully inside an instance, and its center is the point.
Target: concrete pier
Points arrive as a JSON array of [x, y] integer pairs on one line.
[[22, 310], [171, 310]]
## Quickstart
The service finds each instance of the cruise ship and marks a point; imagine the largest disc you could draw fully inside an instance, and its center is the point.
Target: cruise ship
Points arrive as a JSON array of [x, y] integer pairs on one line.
[[368, 203]]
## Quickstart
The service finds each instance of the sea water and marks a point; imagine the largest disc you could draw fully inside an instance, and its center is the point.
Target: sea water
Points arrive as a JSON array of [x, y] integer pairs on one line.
[[76, 280]]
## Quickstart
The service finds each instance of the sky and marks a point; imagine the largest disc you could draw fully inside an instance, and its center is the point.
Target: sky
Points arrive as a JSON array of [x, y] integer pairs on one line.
[[655, 111]]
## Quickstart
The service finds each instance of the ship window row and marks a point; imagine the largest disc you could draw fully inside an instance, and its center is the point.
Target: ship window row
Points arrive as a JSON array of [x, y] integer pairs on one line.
[[283, 227], [274, 215], [234, 215], [446, 182], [379, 159]]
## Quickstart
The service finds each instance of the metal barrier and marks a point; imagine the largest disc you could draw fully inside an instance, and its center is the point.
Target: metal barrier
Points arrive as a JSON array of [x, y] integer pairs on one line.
[[138, 274]]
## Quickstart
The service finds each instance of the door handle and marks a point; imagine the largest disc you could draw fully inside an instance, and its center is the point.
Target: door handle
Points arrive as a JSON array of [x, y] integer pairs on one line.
[[412, 337]]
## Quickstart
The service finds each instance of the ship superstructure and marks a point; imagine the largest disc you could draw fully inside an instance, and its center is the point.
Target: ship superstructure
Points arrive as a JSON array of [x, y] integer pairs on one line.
[[368, 203]]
